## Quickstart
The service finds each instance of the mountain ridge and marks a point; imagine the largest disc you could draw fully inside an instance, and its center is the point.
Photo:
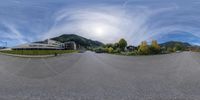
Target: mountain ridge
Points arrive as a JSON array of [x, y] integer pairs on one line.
[[173, 43], [85, 42], [82, 41]]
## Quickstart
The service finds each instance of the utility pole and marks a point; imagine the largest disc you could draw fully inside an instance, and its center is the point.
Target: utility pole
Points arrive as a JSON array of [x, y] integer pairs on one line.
[[6, 44]]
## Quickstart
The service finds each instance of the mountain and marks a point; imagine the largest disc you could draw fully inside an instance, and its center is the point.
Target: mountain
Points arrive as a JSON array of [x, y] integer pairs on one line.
[[84, 42], [174, 43], [2, 47]]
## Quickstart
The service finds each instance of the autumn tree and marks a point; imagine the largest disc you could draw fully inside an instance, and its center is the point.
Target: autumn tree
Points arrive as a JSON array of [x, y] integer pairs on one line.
[[155, 48], [143, 48]]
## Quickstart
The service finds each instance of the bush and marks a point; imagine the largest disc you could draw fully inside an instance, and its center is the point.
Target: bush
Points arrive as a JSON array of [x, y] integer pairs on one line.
[[154, 50], [169, 50], [105, 50], [178, 47], [110, 50], [99, 50], [135, 52], [117, 50]]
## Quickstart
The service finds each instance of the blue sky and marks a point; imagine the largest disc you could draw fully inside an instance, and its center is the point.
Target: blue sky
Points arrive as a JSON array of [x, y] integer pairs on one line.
[[23, 21]]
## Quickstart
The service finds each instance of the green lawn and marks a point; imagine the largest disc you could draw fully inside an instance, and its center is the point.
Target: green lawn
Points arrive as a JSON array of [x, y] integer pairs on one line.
[[38, 52]]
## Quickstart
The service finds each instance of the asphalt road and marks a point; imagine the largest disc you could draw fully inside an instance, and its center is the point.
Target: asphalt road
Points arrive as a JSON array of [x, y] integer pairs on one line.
[[90, 76]]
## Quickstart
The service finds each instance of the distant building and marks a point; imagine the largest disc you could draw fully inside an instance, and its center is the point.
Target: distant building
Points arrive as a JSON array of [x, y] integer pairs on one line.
[[46, 45], [5, 49], [71, 45], [2, 47]]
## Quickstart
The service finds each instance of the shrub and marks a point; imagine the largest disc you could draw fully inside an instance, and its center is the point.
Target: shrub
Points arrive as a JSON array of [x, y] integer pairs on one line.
[[169, 50], [117, 50], [135, 52], [99, 50], [110, 50]]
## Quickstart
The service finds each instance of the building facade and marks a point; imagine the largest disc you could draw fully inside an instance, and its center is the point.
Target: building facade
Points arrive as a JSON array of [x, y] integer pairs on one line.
[[71, 45], [46, 45]]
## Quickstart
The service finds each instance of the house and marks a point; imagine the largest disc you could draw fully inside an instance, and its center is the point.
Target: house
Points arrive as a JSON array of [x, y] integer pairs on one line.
[[131, 48]]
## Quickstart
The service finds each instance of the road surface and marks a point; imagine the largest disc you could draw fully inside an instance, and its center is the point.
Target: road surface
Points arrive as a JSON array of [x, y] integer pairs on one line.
[[90, 76]]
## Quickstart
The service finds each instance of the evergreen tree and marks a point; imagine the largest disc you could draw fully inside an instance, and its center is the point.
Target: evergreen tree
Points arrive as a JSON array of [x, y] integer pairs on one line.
[[122, 44]]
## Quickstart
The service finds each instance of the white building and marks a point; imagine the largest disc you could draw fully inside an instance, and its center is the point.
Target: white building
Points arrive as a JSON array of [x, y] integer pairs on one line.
[[46, 45]]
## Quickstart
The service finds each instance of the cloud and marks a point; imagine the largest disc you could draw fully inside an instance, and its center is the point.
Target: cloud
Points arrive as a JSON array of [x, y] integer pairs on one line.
[[82, 20], [196, 43], [134, 20], [12, 33], [116, 21]]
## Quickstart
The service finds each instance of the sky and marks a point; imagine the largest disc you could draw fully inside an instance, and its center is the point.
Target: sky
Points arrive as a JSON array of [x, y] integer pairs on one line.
[[25, 21]]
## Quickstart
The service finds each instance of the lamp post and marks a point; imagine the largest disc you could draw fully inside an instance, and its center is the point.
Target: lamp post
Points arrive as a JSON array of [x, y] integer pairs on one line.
[[6, 44]]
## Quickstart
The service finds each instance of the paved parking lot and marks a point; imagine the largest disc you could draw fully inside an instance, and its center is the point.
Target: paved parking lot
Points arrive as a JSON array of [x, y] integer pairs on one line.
[[90, 76]]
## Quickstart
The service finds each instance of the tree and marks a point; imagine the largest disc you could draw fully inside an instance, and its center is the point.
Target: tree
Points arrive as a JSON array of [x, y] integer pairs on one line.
[[169, 50], [108, 45], [143, 48], [110, 50], [122, 44], [155, 48], [178, 47], [116, 45]]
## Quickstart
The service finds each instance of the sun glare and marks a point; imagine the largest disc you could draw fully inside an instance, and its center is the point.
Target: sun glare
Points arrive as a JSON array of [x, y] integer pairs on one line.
[[99, 31]]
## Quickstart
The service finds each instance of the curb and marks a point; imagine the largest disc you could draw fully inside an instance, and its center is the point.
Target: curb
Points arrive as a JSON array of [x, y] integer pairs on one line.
[[28, 56]]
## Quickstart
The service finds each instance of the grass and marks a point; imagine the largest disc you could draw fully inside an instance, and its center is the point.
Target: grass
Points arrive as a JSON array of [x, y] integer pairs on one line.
[[38, 52]]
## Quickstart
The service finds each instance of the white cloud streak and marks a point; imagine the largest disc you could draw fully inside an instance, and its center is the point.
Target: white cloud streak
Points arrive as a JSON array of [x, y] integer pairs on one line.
[[115, 20], [13, 33], [134, 20]]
